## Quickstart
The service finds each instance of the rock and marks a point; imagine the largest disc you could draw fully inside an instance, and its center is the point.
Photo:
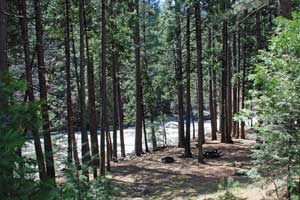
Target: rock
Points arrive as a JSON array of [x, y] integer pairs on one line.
[[240, 172], [167, 160], [146, 192], [213, 153]]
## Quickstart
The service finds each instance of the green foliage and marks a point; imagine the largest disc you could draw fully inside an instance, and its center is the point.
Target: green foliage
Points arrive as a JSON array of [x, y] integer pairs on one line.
[[277, 102], [17, 173], [228, 196], [77, 186]]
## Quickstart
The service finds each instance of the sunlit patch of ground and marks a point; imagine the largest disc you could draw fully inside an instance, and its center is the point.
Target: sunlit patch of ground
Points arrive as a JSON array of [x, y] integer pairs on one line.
[[147, 178]]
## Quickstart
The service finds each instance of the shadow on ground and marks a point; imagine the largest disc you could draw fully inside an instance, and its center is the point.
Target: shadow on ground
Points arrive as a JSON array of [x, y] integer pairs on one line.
[[147, 178]]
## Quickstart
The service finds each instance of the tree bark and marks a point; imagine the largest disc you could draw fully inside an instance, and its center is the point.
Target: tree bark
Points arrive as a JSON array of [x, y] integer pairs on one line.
[[179, 77], [229, 95], [3, 38], [224, 85], [43, 91], [153, 137], [235, 87], [120, 114], [243, 90], [115, 103], [104, 125], [238, 80], [211, 92], [138, 82], [187, 150], [72, 144], [285, 9], [28, 66], [85, 149], [91, 94], [199, 81]]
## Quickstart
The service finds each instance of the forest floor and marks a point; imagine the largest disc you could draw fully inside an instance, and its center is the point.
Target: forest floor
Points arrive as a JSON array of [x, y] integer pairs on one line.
[[147, 177]]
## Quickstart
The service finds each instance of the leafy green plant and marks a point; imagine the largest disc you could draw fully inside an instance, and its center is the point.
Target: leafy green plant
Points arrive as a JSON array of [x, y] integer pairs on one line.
[[77, 186], [277, 103], [17, 173], [228, 196]]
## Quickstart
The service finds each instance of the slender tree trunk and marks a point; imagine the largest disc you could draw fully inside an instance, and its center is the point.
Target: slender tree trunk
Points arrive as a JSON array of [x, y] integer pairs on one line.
[[199, 81], [215, 105], [28, 65], [259, 42], [68, 80], [144, 73], [70, 115], [138, 82], [243, 90], [224, 85], [91, 95], [211, 94], [235, 97], [145, 133], [238, 80], [120, 114], [187, 150], [193, 121], [3, 40], [43, 91], [115, 103], [285, 8], [229, 96], [179, 77], [153, 137], [85, 149], [243, 81], [104, 125], [108, 149], [75, 61]]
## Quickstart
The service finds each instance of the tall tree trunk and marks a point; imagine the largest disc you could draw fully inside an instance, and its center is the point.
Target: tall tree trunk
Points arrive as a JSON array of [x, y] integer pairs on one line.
[[229, 95], [85, 148], [138, 82], [238, 80], [3, 38], [75, 61], [211, 93], [187, 150], [72, 144], [179, 77], [144, 74], [28, 66], [91, 94], [104, 125], [115, 103], [224, 84], [116, 112], [235, 97], [259, 42], [243, 89], [199, 81], [43, 91], [215, 104], [120, 114], [285, 8], [68, 77]]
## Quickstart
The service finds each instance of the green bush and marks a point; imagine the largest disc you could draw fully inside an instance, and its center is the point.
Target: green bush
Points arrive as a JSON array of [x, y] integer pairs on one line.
[[278, 104]]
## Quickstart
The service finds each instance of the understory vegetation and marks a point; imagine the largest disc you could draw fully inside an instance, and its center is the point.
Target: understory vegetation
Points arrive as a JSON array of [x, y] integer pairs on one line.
[[150, 99]]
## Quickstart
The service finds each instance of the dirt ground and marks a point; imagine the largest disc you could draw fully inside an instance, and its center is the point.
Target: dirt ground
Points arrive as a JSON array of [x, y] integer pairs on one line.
[[147, 178]]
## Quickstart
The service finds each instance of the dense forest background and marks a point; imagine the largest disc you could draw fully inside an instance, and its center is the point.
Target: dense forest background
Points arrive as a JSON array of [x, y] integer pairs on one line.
[[99, 67]]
